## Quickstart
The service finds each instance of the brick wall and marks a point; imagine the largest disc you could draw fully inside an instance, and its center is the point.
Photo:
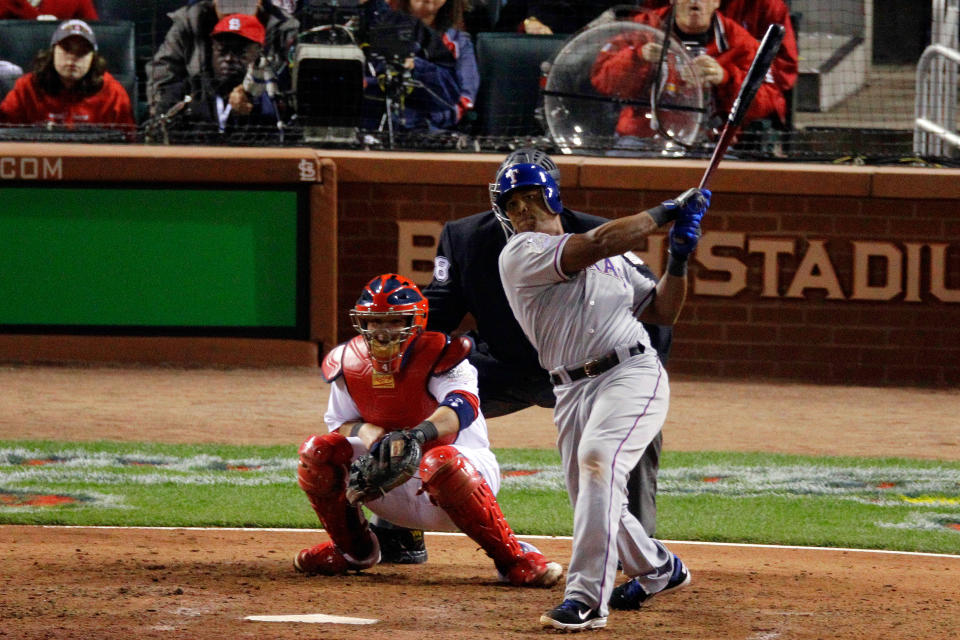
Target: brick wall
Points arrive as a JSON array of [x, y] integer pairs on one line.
[[813, 273]]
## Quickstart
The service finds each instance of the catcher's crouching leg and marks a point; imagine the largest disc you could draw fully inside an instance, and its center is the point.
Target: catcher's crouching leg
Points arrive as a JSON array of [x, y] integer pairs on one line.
[[322, 474], [455, 485]]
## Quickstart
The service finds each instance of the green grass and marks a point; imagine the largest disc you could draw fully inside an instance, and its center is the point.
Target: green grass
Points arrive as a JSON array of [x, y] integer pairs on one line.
[[888, 503]]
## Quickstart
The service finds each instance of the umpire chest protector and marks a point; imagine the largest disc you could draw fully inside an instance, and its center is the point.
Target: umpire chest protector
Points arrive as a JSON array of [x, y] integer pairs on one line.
[[396, 400]]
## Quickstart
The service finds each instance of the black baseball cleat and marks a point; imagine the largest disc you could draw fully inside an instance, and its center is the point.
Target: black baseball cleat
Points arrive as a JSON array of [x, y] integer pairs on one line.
[[573, 615], [632, 595], [399, 545]]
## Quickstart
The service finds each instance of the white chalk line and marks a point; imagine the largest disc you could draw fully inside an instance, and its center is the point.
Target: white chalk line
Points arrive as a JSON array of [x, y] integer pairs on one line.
[[314, 618], [745, 545]]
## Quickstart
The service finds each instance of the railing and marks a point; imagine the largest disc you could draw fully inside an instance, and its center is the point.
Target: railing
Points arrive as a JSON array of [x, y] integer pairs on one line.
[[935, 109]]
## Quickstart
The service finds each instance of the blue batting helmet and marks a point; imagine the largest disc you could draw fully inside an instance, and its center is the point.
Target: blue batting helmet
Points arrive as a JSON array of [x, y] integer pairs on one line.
[[523, 175]]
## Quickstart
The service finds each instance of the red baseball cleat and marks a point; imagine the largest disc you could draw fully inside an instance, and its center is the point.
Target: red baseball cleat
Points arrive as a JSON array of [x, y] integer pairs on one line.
[[327, 560]]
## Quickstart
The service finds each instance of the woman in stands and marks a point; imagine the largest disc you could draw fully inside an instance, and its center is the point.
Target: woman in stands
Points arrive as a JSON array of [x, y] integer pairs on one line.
[[59, 9], [69, 85]]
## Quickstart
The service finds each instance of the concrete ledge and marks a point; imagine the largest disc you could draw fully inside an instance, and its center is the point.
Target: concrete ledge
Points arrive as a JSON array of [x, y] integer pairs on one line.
[[387, 167], [889, 182], [619, 173], [148, 164]]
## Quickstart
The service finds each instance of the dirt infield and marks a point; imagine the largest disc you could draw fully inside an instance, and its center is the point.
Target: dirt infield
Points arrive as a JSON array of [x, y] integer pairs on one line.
[[108, 583]]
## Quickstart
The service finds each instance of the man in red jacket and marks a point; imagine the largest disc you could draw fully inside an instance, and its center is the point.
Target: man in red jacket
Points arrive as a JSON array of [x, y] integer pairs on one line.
[[721, 50], [60, 9], [69, 85], [755, 16]]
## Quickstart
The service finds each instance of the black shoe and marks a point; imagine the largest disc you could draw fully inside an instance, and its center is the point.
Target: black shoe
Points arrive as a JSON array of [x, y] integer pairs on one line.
[[573, 615], [399, 545], [632, 595]]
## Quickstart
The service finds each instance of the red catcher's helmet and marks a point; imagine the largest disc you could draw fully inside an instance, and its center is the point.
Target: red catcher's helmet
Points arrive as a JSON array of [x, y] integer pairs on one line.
[[398, 312]]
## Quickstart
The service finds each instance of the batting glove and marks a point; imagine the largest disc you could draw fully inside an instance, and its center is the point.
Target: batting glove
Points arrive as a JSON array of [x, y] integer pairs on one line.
[[689, 202], [684, 237]]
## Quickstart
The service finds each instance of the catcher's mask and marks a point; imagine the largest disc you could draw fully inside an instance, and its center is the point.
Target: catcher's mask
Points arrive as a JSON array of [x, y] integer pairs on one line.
[[520, 156], [523, 175], [390, 313]]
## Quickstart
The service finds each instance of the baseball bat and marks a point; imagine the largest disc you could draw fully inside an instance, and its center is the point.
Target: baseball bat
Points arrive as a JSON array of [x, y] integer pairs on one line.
[[751, 83]]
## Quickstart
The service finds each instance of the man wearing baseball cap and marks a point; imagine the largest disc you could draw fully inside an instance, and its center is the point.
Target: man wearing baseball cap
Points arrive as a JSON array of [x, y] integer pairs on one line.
[[212, 114], [187, 48], [69, 85]]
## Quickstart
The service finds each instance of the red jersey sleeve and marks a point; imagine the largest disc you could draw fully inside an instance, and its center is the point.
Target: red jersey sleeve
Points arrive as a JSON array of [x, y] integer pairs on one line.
[[620, 68], [19, 106]]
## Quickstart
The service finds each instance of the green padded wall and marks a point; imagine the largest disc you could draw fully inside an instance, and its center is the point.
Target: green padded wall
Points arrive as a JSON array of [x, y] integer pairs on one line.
[[119, 257]]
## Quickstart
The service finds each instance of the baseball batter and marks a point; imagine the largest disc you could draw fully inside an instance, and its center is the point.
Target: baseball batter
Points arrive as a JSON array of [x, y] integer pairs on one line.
[[466, 280], [580, 301], [404, 400]]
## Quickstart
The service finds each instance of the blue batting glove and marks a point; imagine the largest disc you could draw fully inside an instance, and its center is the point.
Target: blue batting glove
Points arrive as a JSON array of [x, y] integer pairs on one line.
[[684, 238], [687, 203]]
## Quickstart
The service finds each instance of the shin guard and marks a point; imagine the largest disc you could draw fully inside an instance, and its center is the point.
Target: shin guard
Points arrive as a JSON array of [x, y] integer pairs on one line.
[[322, 474], [456, 486]]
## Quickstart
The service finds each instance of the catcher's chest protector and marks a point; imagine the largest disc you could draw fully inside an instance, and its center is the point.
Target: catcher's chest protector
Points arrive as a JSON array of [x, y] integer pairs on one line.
[[397, 400]]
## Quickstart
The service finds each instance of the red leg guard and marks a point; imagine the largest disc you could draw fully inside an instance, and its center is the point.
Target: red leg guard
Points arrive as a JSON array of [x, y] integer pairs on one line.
[[322, 474], [458, 488]]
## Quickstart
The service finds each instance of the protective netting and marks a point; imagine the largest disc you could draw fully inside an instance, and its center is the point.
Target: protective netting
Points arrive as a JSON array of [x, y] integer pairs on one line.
[[856, 99]]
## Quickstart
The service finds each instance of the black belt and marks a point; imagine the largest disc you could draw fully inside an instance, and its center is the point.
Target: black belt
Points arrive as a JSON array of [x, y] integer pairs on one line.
[[595, 367]]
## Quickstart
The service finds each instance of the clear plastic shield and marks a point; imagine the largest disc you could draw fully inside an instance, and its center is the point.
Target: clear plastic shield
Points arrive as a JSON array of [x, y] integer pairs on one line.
[[598, 96]]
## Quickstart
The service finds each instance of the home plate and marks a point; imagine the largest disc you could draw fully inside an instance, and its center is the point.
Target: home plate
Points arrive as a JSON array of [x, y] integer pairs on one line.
[[312, 617]]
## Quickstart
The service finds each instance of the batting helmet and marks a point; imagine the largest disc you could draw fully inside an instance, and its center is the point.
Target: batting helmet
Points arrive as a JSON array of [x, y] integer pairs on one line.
[[520, 156], [519, 176], [397, 311]]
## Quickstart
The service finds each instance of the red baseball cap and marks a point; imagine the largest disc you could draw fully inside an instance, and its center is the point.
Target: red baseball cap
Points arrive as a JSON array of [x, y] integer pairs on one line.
[[243, 25]]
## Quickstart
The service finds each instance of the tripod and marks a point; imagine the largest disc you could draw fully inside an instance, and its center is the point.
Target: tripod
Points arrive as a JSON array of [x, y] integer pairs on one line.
[[397, 82]]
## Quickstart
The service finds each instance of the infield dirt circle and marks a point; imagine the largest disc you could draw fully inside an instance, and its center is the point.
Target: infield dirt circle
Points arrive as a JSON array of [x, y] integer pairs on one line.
[[60, 582]]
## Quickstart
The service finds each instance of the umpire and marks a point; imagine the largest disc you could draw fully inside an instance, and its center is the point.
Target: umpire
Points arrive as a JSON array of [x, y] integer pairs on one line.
[[466, 280]]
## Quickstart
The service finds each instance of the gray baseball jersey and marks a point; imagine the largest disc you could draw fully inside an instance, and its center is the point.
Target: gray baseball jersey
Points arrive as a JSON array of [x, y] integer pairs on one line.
[[604, 423], [570, 319]]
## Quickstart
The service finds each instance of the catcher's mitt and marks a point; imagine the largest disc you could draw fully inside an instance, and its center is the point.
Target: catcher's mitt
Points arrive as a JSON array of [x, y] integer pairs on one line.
[[390, 463]]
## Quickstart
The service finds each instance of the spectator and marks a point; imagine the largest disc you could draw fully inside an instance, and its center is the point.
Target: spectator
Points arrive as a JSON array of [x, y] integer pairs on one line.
[[237, 42], [438, 66], [545, 17], [721, 50], [755, 16], [49, 9], [186, 50], [69, 85]]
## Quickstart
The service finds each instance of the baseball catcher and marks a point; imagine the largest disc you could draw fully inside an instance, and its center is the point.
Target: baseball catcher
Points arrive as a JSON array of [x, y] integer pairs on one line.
[[407, 440]]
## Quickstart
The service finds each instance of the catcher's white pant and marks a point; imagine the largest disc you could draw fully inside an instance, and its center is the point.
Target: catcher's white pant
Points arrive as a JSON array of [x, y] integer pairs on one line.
[[407, 506]]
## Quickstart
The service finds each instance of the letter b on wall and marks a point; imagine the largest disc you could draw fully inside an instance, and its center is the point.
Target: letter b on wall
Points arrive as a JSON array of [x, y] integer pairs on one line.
[[417, 247]]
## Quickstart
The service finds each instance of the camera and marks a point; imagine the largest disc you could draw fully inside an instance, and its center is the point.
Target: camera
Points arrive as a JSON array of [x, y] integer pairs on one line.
[[338, 45], [328, 71]]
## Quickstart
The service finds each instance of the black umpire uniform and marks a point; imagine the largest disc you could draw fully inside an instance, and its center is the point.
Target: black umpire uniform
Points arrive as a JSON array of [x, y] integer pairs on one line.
[[466, 279]]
